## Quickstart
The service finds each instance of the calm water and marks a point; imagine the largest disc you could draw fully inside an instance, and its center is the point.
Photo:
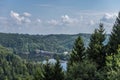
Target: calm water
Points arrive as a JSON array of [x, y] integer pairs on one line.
[[63, 63]]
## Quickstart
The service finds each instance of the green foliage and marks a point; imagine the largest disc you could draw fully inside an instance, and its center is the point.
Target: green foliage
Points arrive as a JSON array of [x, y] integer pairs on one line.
[[96, 48], [114, 39], [58, 72], [38, 75], [85, 70], [52, 71], [113, 52], [12, 67], [78, 52], [48, 72], [21, 43], [26, 45], [113, 65]]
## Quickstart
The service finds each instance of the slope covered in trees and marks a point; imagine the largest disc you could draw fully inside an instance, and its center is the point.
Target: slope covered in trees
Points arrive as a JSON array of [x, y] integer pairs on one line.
[[12, 67], [37, 47], [24, 43]]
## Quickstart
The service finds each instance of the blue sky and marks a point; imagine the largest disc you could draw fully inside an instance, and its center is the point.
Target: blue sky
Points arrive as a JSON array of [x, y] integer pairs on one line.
[[56, 16]]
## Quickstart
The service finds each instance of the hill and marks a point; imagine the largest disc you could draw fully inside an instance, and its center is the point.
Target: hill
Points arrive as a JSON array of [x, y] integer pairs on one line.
[[12, 67], [25, 43], [27, 46]]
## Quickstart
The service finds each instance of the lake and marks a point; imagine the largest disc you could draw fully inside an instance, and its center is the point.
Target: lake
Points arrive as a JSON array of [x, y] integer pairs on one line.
[[63, 63]]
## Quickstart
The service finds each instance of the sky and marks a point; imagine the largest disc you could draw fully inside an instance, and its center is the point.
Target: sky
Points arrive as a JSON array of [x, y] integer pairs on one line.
[[57, 16]]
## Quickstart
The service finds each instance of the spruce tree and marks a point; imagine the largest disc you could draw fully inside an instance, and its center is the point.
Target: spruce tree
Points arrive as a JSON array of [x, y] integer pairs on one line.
[[114, 39], [96, 48], [48, 72], [77, 54], [58, 72], [38, 75], [85, 70], [113, 65]]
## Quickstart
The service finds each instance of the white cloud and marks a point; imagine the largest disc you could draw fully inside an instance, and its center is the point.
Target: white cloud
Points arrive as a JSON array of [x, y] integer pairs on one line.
[[53, 22], [19, 18], [108, 18], [16, 16], [66, 19], [85, 23], [26, 14]]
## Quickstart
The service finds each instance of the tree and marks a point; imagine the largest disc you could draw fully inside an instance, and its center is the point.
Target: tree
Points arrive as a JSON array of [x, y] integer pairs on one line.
[[53, 71], [113, 66], [85, 70], [114, 39], [96, 48], [48, 71], [58, 72], [78, 52], [38, 75]]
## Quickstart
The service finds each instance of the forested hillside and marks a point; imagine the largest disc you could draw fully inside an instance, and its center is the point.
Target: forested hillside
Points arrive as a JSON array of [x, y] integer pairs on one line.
[[27, 46], [24, 43], [12, 67]]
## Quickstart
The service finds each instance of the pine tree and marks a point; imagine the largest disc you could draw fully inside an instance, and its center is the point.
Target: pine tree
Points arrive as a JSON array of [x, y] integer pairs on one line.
[[77, 54], [38, 74], [52, 72], [58, 72], [85, 70], [48, 72], [114, 39], [96, 48], [113, 66]]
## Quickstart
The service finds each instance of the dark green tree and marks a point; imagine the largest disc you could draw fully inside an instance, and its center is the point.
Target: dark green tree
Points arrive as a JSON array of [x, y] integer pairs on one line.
[[12, 66], [48, 72], [114, 39], [58, 71], [53, 71], [96, 48], [78, 52], [38, 75], [113, 66], [85, 70]]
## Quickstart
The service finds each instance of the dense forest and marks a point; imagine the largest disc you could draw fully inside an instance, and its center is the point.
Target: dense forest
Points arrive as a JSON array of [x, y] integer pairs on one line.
[[25, 43], [97, 61], [12, 67], [27, 46]]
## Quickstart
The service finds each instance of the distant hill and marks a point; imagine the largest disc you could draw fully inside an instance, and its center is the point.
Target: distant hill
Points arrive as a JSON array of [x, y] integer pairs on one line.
[[25, 43], [32, 44]]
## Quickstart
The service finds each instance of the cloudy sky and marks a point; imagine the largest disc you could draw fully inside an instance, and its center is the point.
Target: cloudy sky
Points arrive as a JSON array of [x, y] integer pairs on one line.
[[57, 16]]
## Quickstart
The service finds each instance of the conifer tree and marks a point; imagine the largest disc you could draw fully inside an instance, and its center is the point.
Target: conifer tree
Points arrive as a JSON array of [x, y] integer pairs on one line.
[[96, 48], [84, 70], [58, 72], [78, 52], [113, 65], [48, 72], [39, 75], [114, 39]]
